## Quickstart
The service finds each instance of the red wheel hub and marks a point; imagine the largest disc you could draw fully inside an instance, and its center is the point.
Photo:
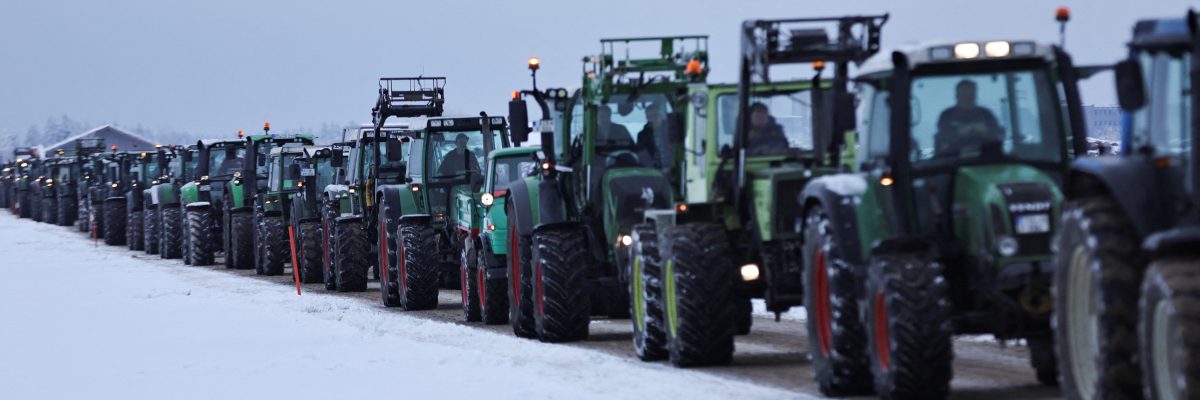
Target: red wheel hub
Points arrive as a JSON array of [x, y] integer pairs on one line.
[[479, 276], [883, 350], [514, 252], [822, 312], [383, 255]]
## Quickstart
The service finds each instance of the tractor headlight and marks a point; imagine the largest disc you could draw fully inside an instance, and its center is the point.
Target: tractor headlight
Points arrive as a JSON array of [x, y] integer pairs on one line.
[[749, 272], [626, 240], [1007, 246], [487, 199]]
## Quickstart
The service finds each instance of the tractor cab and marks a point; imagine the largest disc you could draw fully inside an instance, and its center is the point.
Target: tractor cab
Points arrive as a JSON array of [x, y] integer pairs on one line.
[[447, 160]]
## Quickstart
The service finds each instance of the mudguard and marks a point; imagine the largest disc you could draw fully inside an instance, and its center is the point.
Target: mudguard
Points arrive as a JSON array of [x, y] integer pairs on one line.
[[198, 205], [550, 204], [522, 199], [838, 195], [1178, 241], [1114, 176], [237, 193], [394, 195], [339, 193]]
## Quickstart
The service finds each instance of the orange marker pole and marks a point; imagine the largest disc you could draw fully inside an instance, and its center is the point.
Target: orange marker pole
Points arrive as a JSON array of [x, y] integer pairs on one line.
[[295, 266], [95, 241]]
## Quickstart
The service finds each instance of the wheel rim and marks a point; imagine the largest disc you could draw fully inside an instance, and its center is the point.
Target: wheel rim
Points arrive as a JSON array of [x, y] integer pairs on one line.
[[883, 350], [403, 272], [464, 283], [514, 250], [481, 277], [537, 288], [821, 309], [1164, 363], [384, 260], [1082, 325], [635, 281]]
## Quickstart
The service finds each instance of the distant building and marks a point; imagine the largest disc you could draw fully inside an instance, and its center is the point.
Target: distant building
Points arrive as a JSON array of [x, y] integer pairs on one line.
[[123, 139], [1103, 122]]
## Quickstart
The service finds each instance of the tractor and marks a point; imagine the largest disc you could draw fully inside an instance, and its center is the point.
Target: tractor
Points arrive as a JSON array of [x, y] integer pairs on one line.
[[568, 221], [51, 184], [483, 270], [320, 167], [749, 150], [25, 163], [165, 206], [944, 225], [349, 209], [207, 222], [143, 174], [1127, 286], [109, 196], [255, 207], [151, 229], [284, 180], [70, 182]]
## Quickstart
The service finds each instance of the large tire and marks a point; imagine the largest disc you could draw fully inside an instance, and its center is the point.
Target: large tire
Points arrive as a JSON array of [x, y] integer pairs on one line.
[[310, 252], [389, 285], [350, 252], [114, 222], [170, 242], [82, 221], [698, 284], [328, 223], [201, 237], [35, 207], [133, 230], [418, 270], [240, 246], [645, 294], [837, 340], [150, 230], [562, 305], [97, 213], [1169, 329], [50, 210], [1098, 271], [908, 315], [520, 284], [274, 245], [493, 293], [1041, 358], [468, 268], [66, 211], [25, 206]]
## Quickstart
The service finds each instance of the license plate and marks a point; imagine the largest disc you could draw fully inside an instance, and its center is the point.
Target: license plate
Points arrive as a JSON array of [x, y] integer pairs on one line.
[[308, 172], [205, 188], [1033, 223]]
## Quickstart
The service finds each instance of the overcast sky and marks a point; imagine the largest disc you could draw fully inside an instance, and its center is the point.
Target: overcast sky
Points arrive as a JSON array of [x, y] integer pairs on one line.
[[215, 66]]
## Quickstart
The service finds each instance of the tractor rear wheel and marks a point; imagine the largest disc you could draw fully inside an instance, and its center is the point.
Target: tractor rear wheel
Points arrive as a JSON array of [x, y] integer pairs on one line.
[[561, 302], [908, 315], [645, 294], [274, 244], [150, 233], [50, 210], [837, 340], [468, 266], [25, 205], [698, 285], [240, 247], [1099, 271], [493, 293], [417, 269], [1041, 358], [520, 283], [350, 254], [310, 252], [133, 230], [201, 245], [171, 227], [114, 222], [1168, 329]]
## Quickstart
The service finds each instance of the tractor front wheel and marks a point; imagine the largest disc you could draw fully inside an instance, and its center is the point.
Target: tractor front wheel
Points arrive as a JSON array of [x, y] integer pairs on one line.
[[645, 294], [698, 286], [200, 243], [114, 222], [150, 233], [274, 245], [520, 283], [493, 294], [171, 226], [240, 247], [468, 268], [350, 256], [908, 313], [1168, 329], [417, 270], [389, 288], [133, 230], [836, 338], [561, 302], [310, 252]]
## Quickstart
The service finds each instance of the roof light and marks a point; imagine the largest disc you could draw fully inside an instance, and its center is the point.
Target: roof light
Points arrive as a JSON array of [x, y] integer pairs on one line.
[[966, 50], [534, 63], [1062, 14], [266, 126], [497, 120], [516, 94], [241, 133], [1023, 48], [435, 123], [818, 65], [996, 49], [114, 147], [693, 67]]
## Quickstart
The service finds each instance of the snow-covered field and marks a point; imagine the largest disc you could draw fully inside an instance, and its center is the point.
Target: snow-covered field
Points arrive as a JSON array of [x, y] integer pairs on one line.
[[103, 322]]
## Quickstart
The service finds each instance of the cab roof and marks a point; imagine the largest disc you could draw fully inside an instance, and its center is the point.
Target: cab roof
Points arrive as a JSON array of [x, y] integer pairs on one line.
[[1163, 33], [944, 52]]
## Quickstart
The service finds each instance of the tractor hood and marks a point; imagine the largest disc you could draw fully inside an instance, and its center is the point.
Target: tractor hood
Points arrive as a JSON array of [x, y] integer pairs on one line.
[[1006, 212]]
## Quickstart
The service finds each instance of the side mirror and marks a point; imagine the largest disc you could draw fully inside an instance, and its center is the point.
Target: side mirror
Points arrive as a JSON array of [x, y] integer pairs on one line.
[[1131, 89], [395, 150], [676, 128], [338, 160], [518, 121]]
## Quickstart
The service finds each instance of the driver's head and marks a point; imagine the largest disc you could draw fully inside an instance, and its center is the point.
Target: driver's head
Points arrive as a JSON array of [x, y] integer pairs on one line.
[[604, 114], [654, 112], [964, 92], [460, 142], [759, 115]]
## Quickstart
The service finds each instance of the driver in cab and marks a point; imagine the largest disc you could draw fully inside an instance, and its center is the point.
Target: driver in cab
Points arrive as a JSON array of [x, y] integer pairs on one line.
[[458, 161], [965, 123]]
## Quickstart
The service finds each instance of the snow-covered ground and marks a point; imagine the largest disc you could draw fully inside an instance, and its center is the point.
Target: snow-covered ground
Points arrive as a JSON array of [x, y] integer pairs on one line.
[[103, 322]]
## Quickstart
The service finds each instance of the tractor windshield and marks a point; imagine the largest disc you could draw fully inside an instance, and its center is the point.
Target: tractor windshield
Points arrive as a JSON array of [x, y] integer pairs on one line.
[[1009, 115], [1167, 128], [780, 123], [216, 157], [510, 169], [455, 155], [325, 172], [634, 125], [281, 177]]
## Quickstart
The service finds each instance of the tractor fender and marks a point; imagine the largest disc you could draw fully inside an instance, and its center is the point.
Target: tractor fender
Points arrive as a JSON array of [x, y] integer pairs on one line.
[[148, 196], [522, 208], [563, 225], [401, 197], [415, 218], [550, 204], [838, 195], [1178, 241], [1113, 176], [348, 218], [197, 206]]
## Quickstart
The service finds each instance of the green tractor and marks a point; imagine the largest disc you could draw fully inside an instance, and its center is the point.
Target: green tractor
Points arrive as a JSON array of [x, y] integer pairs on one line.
[[568, 221], [205, 200], [945, 226], [255, 204], [320, 167], [151, 230], [1127, 286], [6, 178], [164, 208], [349, 208], [749, 151], [27, 165], [482, 261], [143, 174], [284, 180], [71, 183], [112, 212], [50, 185]]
